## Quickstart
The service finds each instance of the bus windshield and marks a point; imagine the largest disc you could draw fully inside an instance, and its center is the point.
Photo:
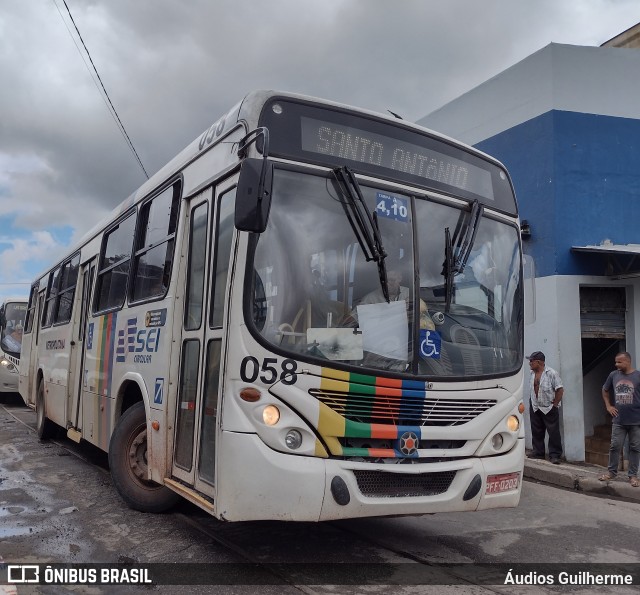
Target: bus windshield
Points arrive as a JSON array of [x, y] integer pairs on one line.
[[12, 327], [316, 297]]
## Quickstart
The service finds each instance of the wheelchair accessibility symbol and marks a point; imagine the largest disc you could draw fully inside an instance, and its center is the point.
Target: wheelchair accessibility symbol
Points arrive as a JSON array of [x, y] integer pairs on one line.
[[430, 344]]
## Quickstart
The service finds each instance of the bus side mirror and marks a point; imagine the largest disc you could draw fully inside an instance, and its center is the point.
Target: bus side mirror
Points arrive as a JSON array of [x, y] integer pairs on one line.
[[253, 195]]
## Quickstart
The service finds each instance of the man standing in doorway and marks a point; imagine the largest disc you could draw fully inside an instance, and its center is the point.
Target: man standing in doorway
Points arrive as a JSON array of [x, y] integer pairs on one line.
[[625, 381], [545, 394]]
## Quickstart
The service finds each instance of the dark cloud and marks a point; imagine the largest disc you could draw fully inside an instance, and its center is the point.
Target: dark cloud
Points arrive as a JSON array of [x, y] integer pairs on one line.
[[171, 68]]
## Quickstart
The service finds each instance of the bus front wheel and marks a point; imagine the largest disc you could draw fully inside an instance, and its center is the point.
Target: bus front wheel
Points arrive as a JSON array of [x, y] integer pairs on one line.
[[128, 464], [44, 427]]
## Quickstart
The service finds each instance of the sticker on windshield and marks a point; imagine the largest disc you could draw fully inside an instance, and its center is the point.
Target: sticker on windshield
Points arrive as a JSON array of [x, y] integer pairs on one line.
[[392, 207], [430, 344]]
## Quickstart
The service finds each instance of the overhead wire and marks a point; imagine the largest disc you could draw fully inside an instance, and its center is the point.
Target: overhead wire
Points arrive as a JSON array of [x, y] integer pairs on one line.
[[103, 93]]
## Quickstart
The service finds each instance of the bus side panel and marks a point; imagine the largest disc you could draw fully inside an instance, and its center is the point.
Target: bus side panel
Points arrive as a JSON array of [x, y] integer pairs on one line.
[[128, 357], [55, 346], [142, 357], [97, 405]]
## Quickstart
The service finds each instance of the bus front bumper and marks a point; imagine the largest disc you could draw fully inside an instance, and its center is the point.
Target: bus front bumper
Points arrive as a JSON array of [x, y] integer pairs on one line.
[[258, 483]]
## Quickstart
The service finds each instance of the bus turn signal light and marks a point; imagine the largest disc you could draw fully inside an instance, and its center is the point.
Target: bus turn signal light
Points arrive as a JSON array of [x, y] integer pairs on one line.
[[155, 425], [521, 407], [250, 394]]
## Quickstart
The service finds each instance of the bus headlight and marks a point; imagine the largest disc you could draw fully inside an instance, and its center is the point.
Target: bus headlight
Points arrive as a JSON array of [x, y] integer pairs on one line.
[[270, 415], [293, 439], [7, 364], [513, 423]]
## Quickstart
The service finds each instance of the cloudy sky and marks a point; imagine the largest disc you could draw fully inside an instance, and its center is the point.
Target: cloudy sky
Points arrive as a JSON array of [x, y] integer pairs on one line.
[[171, 67]]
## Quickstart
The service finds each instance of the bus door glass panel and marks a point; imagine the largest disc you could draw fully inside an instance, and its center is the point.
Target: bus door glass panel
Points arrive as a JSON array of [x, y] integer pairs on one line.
[[29, 344], [86, 279], [209, 413], [194, 300], [31, 309], [38, 316], [206, 463], [224, 236], [188, 392], [34, 354], [196, 279]]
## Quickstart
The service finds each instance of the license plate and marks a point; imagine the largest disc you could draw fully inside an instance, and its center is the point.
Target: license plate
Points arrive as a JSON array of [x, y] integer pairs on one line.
[[502, 483]]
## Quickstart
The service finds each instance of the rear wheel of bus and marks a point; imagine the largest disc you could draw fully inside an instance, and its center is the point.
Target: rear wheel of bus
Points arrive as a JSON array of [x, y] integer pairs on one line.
[[44, 427], [128, 464]]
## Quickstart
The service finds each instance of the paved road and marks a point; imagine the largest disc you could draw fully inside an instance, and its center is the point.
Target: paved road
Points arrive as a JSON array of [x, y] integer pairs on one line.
[[56, 507]]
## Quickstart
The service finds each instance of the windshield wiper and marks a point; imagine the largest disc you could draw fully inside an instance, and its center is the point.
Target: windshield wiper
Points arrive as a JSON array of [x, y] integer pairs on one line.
[[464, 240], [458, 250], [448, 269], [364, 224]]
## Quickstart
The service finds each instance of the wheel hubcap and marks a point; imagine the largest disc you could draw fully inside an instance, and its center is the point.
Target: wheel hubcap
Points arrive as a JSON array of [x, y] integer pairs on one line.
[[138, 457]]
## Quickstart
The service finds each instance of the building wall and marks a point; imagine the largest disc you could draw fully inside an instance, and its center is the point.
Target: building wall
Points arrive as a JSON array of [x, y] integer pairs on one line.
[[556, 332], [627, 39], [588, 80], [577, 179], [566, 123]]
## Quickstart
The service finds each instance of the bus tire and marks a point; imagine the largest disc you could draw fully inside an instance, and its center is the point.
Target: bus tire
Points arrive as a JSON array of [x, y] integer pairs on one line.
[[128, 464], [44, 427]]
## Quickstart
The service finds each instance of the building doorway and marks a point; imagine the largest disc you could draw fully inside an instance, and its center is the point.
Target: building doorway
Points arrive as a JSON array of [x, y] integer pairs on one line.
[[602, 329]]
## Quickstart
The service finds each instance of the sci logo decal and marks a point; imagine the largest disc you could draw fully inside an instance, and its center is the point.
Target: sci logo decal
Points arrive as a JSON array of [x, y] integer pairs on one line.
[[143, 343]]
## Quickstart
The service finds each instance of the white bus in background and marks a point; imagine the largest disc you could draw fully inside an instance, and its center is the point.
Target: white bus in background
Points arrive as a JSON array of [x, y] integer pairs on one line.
[[313, 312], [12, 313]]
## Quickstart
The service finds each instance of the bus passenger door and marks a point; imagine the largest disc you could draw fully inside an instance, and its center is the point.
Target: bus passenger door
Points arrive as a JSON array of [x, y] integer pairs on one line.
[[77, 372], [211, 231], [29, 349], [33, 352]]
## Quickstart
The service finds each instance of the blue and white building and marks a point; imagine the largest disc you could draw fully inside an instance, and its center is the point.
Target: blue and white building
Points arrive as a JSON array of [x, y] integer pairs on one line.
[[566, 123]]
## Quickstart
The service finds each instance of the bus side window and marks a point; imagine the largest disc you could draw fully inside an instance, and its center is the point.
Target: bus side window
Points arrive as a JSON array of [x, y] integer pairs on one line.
[[64, 299], [111, 285], [154, 245], [50, 301], [31, 308]]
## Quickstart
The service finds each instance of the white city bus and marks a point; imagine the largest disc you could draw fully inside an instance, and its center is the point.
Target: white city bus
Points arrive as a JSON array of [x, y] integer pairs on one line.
[[313, 312], [12, 313]]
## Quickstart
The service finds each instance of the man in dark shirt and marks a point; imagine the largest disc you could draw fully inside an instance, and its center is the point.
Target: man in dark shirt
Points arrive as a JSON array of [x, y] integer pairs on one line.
[[625, 410]]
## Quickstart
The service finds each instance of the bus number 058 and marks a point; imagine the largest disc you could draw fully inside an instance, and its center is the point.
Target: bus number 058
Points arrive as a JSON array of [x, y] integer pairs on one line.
[[250, 370]]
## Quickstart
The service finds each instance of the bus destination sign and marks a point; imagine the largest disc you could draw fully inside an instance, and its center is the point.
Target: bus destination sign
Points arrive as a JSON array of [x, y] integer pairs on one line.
[[353, 144]]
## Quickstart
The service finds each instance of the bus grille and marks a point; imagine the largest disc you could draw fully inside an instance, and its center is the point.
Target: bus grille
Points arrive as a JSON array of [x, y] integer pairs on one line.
[[378, 484], [14, 360], [403, 410]]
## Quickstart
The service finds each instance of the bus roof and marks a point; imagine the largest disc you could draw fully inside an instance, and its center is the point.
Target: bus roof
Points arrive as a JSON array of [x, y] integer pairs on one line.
[[246, 112]]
